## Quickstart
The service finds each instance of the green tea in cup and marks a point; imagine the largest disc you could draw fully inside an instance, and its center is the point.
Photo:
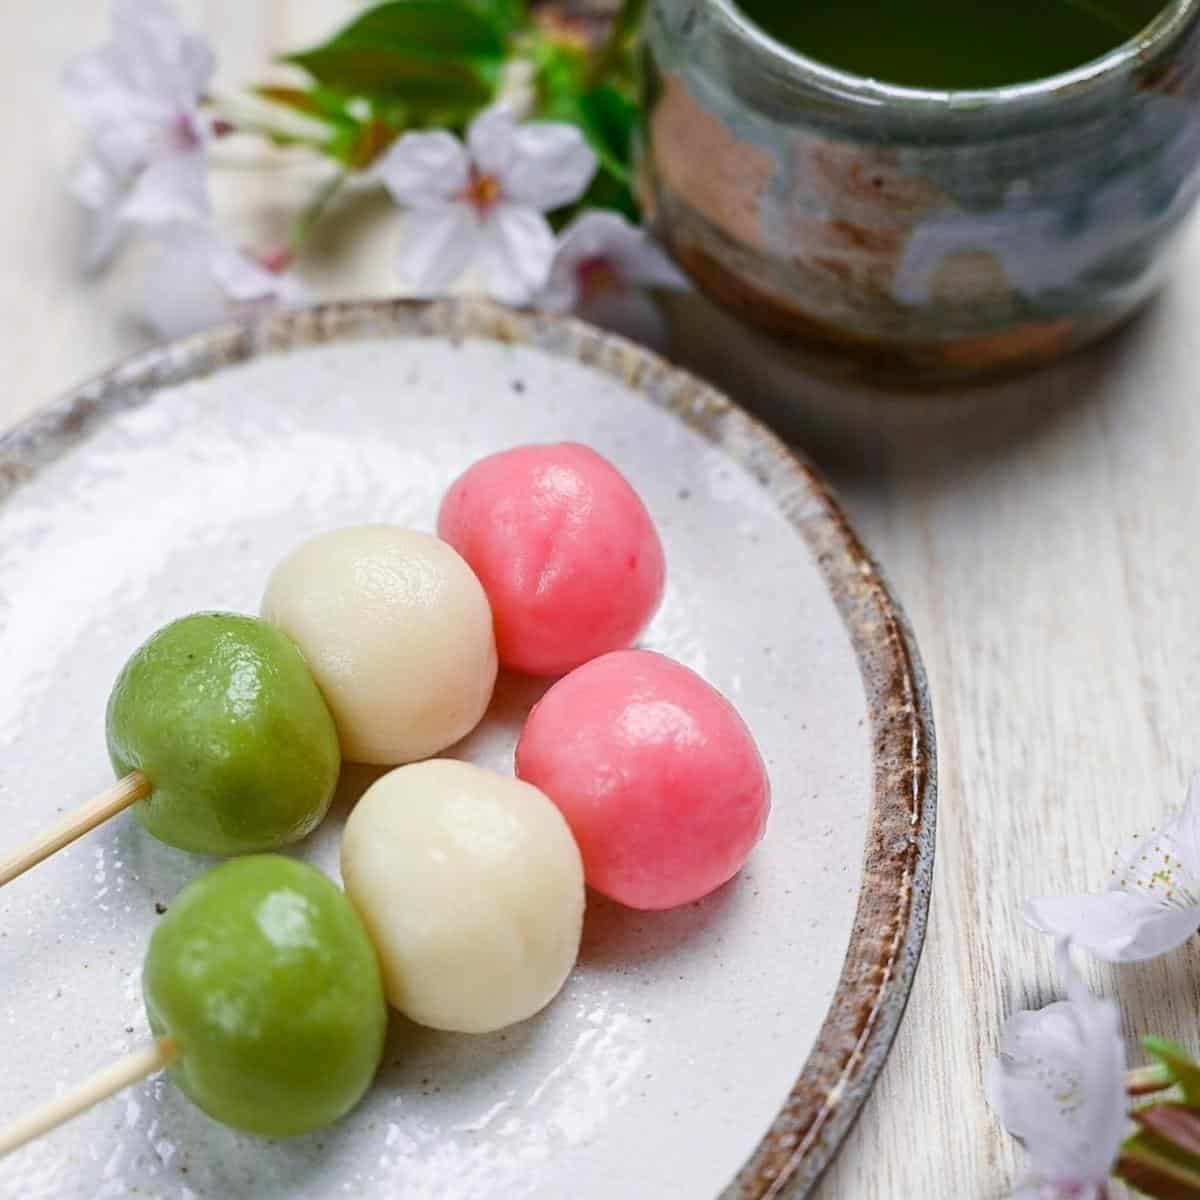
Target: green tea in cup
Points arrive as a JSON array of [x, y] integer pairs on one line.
[[953, 44]]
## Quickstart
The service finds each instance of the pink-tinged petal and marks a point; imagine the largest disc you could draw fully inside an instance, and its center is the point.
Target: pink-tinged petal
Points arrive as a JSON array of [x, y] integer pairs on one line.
[[173, 189], [633, 254], [492, 140], [515, 253], [437, 245], [1116, 926], [424, 170], [629, 257], [1058, 1085], [247, 282], [551, 165], [582, 240]]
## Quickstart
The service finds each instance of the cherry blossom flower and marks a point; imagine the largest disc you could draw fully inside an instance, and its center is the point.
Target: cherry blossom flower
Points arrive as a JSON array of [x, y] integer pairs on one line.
[[1152, 904], [482, 205], [198, 281], [138, 99], [1058, 1086], [600, 254], [601, 271]]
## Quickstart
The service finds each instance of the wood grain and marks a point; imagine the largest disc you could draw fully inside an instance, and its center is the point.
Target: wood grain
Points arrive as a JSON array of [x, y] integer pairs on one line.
[[1044, 537]]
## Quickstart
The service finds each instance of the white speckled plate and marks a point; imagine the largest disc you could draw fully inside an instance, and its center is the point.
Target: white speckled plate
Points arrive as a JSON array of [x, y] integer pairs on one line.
[[718, 1049]]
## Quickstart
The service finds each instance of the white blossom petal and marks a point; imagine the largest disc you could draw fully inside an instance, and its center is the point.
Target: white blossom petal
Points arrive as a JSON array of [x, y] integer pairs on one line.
[[100, 95], [515, 252], [1153, 901], [249, 284], [151, 71], [1165, 864], [173, 189], [157, 56], [105, 231], [1116, 926], [492, 140], [100, 191], [551, 165], [1058, 1085], [631, 256], [422, 170], [437, 245], [560, 294], [138, 97]]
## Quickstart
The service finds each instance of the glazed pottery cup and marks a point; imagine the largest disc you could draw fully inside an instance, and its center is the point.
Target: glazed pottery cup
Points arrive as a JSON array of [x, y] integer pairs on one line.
[[929, 236]]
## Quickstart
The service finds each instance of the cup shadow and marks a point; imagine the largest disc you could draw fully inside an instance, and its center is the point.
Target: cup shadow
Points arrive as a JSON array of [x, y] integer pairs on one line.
[[419, 1060], [854, 427]]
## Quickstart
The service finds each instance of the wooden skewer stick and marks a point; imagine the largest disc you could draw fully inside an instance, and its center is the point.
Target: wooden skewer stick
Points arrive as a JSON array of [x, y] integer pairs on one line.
[[129, 790], [80, 1098]]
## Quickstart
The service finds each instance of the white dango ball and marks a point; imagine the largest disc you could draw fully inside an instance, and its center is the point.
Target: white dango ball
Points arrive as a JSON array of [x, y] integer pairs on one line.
[[397, 632], [471, 887]]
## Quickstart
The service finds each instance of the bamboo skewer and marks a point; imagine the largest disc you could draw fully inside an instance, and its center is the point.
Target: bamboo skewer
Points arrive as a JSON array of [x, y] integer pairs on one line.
[[129, 790], [83, 1096]]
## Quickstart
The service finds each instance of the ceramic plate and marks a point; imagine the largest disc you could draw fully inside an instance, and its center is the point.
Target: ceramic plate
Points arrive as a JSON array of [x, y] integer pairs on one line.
[[717, 1050]]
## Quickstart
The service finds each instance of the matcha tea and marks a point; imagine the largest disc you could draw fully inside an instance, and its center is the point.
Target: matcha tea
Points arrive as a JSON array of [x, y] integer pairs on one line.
[[952, 44]]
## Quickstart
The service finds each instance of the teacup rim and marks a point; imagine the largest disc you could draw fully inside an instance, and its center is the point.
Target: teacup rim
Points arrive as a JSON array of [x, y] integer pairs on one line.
[[1171, 22]]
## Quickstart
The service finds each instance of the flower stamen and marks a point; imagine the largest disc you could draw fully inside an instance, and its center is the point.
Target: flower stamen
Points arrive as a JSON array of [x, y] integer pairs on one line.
[[482, 192], [596, 277]]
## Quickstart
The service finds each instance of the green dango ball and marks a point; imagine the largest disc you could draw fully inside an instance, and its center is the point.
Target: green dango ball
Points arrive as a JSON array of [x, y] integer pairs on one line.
[[263, 976], [222, 715]]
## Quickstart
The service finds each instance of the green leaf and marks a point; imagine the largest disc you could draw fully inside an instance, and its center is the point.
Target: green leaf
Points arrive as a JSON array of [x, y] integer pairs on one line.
[[1157, 1169], [559, 72], [1184, 1070], [444, 28], [424, 52], [608, 118], [506, 15], [415, 78]]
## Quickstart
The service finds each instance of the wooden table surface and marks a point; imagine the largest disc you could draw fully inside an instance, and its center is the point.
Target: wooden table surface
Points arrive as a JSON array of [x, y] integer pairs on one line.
[[1044, 537]]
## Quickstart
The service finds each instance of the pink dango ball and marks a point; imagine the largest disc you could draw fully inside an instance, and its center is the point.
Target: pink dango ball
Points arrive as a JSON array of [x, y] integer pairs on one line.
[[657, 776], [564, 548]]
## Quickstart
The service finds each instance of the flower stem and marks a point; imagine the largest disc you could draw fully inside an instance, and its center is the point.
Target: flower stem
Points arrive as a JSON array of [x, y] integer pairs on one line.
[[312, 213]]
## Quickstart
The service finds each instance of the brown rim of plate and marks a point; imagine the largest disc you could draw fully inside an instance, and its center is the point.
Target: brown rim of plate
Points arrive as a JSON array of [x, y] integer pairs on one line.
[[889, 925]]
